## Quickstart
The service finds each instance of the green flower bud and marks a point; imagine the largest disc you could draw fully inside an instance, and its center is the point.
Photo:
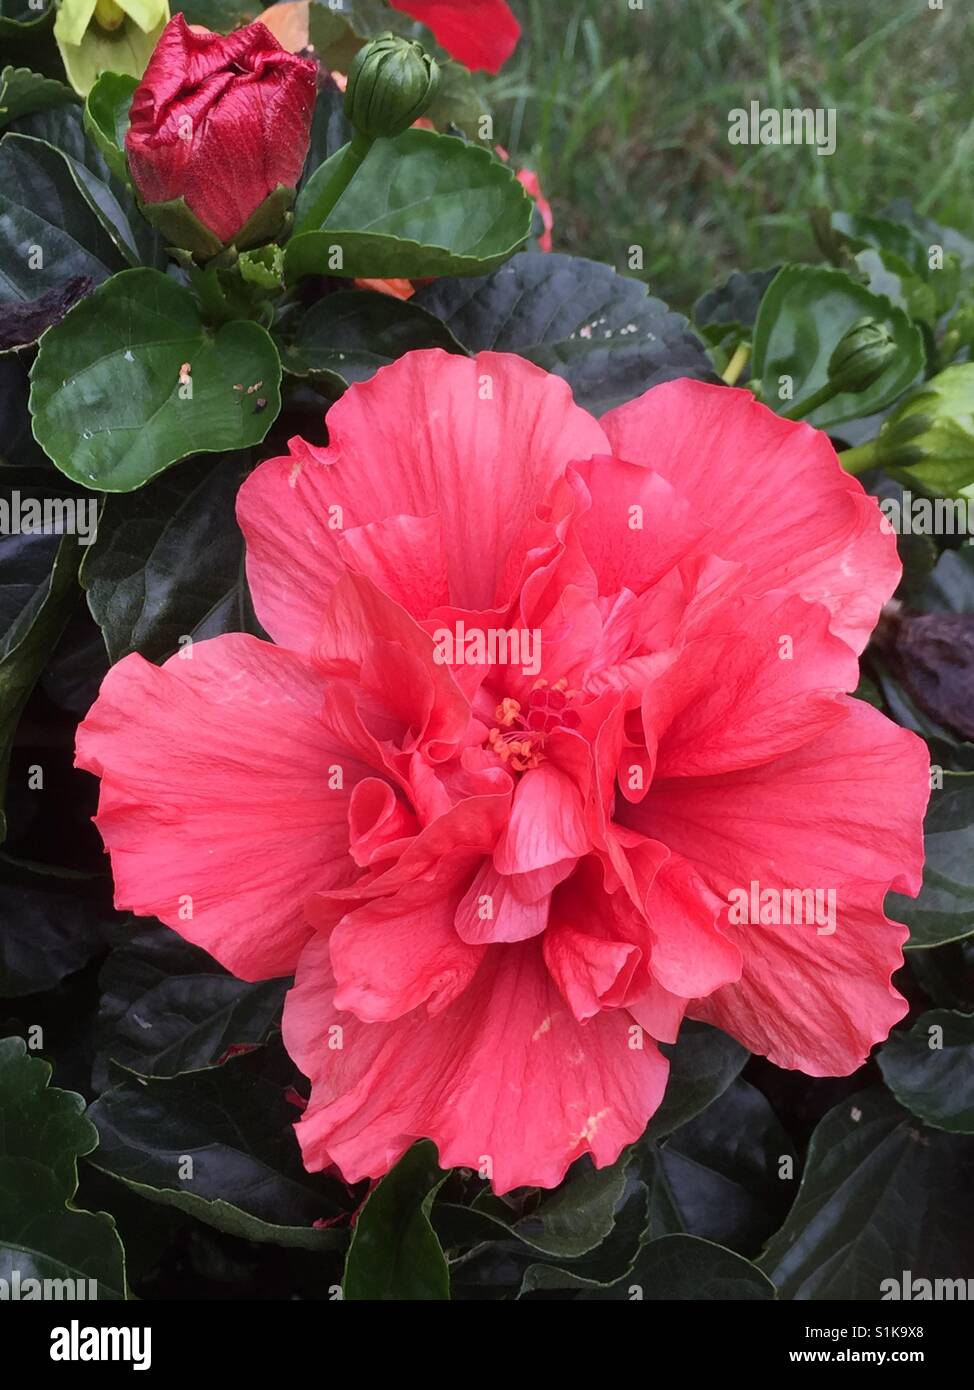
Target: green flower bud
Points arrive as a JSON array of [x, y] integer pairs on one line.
[[861, 356], [391, 83], [929, 438]]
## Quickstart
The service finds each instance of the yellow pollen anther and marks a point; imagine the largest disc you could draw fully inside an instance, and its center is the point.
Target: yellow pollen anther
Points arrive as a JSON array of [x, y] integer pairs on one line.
[[507, 711]]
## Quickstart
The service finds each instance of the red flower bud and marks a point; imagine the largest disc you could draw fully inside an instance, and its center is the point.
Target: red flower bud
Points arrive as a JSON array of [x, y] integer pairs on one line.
[[221, 123]]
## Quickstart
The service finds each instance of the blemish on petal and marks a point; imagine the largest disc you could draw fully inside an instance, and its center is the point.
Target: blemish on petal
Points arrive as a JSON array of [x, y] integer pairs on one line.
[[590, 1127]]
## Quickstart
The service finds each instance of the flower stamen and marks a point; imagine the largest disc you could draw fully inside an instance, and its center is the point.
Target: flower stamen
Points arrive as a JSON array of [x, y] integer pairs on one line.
[[519, 741]]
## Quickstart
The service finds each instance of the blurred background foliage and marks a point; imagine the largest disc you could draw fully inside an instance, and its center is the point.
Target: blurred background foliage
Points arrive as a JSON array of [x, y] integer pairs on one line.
[[624, 115]]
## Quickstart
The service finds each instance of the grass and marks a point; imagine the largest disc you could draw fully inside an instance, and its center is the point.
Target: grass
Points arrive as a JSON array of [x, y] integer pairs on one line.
[[624, 113]]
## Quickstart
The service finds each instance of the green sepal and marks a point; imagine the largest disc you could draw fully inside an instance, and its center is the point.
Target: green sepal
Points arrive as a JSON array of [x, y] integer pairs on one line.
[[184, 230]]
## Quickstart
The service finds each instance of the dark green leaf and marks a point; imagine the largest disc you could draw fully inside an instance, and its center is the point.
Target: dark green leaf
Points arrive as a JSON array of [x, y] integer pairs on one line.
[[946, 975], [134, 241], [330, 128], [45, 935], [703, 1063], [394, 1253], [77, 667], [38, 590], [944, 910], [930, 1070], [419, 205], [21, 461], [889, 251], [337, 32], [108, 403], [348, 336], [933, 233], [168, 562], [733, 306], [880, 1195], [42, 1134], [63, 128], [167, 1008], [918, 552], [664, 1214], [600, 331], [861, 230], [23, 91], [610, 1261], [886, 274], [951, 585], [458, 102], [234, 1125], [685, 1269], [221, 16], [569, 1223], [579, 1215], [803, 314], [49, 233], [18, 17], [725, 1170]]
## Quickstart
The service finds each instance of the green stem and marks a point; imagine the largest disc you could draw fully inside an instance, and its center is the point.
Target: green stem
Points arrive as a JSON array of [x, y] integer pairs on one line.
[[732, 372], [216, 304], [817, 398], [342, 177], [860, 458]]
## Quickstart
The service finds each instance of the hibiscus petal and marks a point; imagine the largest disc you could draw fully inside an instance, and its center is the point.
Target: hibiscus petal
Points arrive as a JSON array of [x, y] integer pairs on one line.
[[659, 1012], [774, 489], [592, 973], [367, 638], [377, 819], [761, 677], [218, 802], [636, 527], [546, 829], [476, 442], [396, 953], [491, 911], [815, 1003], [844, 812], [504, 1079], [404, 557], [692, 956], [463, 836]]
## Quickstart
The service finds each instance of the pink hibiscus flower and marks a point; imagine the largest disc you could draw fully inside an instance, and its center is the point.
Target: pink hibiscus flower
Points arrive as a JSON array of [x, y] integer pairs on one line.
[[478, 33], [546, 696]]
